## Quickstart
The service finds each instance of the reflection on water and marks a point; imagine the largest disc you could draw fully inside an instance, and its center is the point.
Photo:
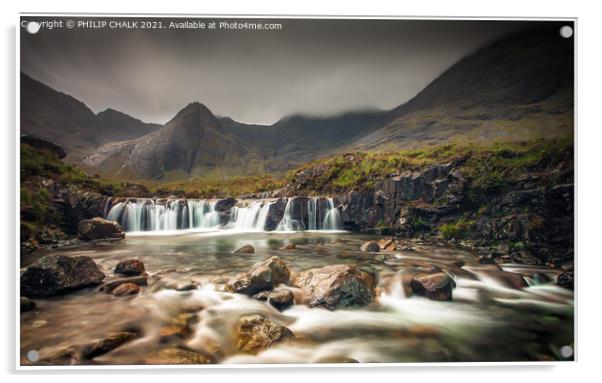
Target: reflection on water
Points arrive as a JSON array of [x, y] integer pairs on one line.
[[490, 319]]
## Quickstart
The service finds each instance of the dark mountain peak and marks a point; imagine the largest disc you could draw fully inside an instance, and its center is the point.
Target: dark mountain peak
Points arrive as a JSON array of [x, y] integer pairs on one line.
[[194, 114], [523, 67]]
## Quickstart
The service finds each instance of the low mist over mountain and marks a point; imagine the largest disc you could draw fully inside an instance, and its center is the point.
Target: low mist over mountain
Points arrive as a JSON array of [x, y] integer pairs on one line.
[[520, 87], [517, 88]]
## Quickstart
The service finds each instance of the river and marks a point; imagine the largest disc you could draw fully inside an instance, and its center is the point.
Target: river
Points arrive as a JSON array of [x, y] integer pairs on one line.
[[488, 319]]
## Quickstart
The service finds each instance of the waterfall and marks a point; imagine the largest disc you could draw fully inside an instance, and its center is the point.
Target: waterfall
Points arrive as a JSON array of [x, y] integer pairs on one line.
[[164, 215], [332, 220], [288, 223], [318, 221], [250, 218], [202, 214], [161, 215]]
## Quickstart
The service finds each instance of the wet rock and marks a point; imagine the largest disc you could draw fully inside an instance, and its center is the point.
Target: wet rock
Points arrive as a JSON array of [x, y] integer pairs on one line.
[[182, 286], [39, 323], [170, 332], [130, 267], [566, 280], [386, 244], [246, 249], [459, 263], [336, 286], [58, 274], [225, 205], [525, 258], [69, 356], [27, 304], [178, 356], [263, 276], [436, 286], [486, 260], [281, 299], [99, 228], [126, 289], [370, 246], [289, 246], [407, 248], [109, 286], [256, 333], [336, 359], [107, 344]]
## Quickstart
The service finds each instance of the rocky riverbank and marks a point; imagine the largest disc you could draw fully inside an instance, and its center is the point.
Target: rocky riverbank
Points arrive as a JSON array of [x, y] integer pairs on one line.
[[208, 304], [512, 203]]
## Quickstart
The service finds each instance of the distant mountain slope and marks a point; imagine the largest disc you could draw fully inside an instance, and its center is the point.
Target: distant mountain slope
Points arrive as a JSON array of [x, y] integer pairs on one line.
[[192, 143], [114, 125], [297, 139], [56, 117], [64, 120], [516, 88]]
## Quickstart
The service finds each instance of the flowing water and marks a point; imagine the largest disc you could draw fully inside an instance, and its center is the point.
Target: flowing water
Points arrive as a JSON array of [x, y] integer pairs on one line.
[[488, 319]]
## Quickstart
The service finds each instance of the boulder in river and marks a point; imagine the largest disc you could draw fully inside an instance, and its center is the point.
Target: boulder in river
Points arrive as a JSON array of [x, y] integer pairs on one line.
[[370, 246], [107, 344], [99, 228], [281, 299], [263, 276], [130, 267], [175, 355], [336, 286], [566, 280], [171, 332], [289, 246], [126, 289], [436, 286], [27, 304], [59, 274], [256, 333], [246, 249], [109, 286], [387, 244]]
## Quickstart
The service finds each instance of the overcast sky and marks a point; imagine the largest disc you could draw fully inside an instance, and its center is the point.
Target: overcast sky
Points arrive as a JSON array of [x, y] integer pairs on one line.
[[316, 67]]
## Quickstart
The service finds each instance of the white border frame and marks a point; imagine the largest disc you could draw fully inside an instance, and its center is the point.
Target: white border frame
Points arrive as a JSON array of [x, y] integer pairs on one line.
[[268, 366]]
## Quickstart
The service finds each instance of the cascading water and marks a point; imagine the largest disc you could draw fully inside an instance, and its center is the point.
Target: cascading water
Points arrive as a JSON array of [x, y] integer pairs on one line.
[[164, 215], [288, 223], [332, 220], [250, 218], [161, 215], [316, 219]]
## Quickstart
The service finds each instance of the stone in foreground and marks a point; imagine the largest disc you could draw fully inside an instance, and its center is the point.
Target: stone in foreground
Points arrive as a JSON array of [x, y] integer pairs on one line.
[[107, 344], [566, 280], [99, 228], [370, 246], [111, 285], [246, 249], [263, 276], [58, 274], [176, 355], [257, 333], [126, 289], [281, 300], [27, 304], [337, 286], [130, 267], [437, 286]]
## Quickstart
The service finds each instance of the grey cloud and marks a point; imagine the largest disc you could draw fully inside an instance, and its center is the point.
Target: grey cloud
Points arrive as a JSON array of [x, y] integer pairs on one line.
[[316, 67]]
